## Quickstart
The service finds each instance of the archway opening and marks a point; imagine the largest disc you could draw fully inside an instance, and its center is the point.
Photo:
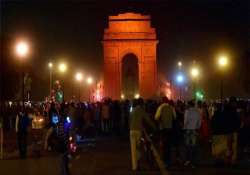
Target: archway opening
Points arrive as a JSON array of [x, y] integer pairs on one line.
[[130, 76]]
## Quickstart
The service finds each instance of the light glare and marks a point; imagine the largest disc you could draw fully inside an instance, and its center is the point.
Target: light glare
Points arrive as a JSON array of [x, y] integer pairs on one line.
[[223, 61], [122, 96], [62, 67], [137, 96], [78, 76], [195, 72], [50, 65], [179, 63], [89, 80], [22, 48], [179, 78]]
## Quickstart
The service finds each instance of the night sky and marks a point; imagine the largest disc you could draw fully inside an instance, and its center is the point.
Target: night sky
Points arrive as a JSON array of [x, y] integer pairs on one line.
[[195, 30]]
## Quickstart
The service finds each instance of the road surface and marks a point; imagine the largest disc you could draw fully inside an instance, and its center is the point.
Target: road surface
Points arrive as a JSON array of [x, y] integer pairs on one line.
[[110, 157]]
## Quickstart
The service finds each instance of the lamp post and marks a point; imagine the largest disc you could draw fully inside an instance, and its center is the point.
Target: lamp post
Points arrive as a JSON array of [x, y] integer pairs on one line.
[[62, 67], [89, 82], [180, 80], [50, 65], [179, 64], [222, 63], [195, 73], [22, 50], [79, 78]]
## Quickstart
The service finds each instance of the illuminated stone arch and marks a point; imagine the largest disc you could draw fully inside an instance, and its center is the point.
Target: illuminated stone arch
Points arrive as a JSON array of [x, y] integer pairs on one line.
[[130, 33]]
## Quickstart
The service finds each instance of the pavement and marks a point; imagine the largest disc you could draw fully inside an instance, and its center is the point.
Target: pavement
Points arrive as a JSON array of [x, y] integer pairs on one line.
[[110, 156]]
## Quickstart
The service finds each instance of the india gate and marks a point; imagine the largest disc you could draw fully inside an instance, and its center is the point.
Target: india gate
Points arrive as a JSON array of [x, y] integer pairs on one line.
[[130, 66]]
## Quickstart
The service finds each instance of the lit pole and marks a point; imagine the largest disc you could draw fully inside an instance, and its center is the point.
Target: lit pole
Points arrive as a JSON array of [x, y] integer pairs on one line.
[[50, 65], [180, 80], [179, 64], [62, 67], [195, 73], [89, 82], [79, 78], [222, 63], [22, 50]]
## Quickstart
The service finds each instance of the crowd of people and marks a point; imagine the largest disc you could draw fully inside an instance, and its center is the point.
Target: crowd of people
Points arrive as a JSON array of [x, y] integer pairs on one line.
[[225, 127]]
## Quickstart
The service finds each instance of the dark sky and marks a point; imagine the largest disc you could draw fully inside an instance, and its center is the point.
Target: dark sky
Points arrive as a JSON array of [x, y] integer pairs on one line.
[[193, 30]]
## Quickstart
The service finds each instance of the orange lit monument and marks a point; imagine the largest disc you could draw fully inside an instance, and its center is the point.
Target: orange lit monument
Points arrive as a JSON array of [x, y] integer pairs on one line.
[[130, 67]]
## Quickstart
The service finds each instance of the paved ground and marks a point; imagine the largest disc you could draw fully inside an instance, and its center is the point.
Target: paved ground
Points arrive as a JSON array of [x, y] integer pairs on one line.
[[110, 157]]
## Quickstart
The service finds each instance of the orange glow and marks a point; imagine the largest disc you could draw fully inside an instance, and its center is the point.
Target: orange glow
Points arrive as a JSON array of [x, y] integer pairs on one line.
[[22, 49], [130, 33], [168, 93], [98, 92]]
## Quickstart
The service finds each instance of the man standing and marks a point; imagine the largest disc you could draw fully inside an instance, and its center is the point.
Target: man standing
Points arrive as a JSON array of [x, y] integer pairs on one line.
[[192, 122], [166, 115], [138, 117], [22, 124], [61, 137], [232, 124]]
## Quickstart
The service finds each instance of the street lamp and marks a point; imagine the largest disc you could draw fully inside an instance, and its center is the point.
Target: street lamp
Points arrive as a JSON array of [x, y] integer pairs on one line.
[[62, 67], [79, 78], [50, 65], [89, 82], [137, 96], [222, 63], [195, 73], [179, 64], [22, 50], [122, 96], [180, 80]]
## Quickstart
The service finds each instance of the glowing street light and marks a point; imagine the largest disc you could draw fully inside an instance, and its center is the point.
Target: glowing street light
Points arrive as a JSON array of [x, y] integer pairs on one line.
[[89, 80], [222, 63], [122, 96], [22, 50], [62, 67], [179, 64], [137, 96], [194, 72], [180, 78], [50, 65], [78, 76]]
